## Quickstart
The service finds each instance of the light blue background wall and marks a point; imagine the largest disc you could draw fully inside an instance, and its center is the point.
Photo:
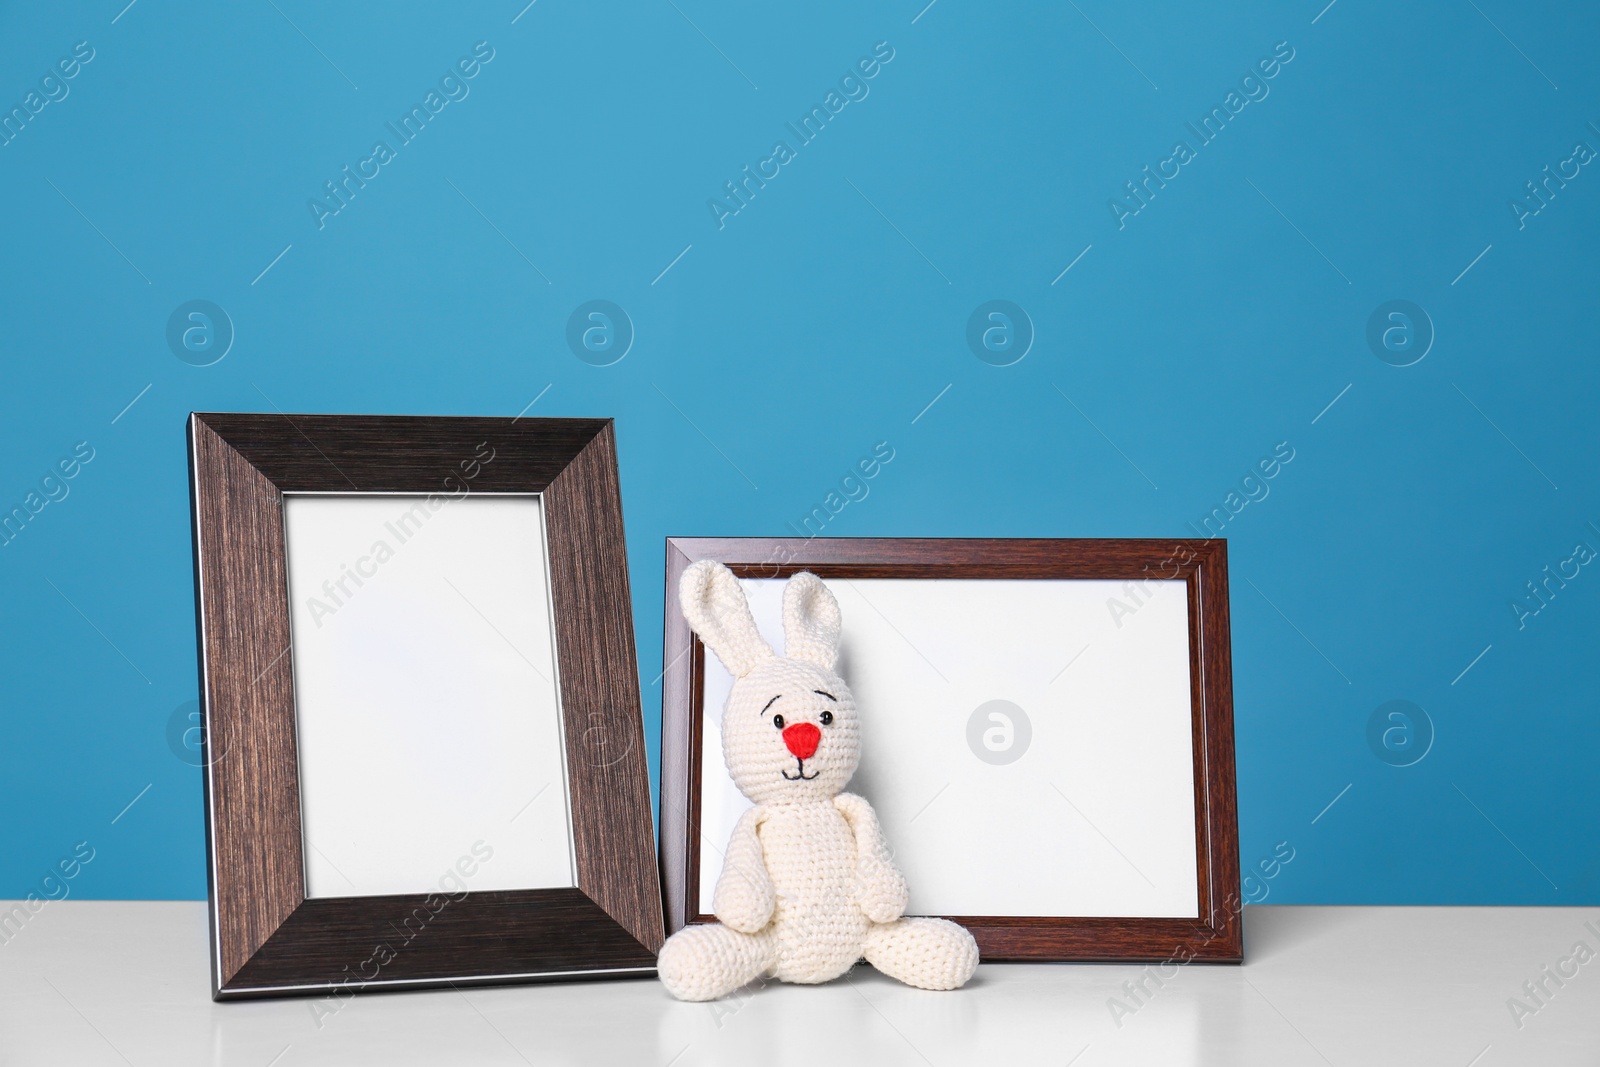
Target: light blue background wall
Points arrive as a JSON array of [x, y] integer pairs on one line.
[[1222, 319]]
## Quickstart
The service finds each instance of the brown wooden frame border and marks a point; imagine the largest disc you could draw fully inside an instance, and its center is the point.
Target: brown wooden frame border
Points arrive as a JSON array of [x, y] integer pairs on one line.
[[266, 937], [1203, 565]]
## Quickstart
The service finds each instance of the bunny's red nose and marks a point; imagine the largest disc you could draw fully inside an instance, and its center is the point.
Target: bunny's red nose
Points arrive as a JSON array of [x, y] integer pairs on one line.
[[802, 739]]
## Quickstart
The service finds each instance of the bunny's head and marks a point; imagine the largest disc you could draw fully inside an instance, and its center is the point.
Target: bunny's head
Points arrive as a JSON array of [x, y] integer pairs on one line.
[[789, 729]]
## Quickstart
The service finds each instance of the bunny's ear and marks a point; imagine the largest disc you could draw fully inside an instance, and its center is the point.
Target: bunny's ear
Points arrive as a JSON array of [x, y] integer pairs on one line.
[[810, 621], [715, 606]]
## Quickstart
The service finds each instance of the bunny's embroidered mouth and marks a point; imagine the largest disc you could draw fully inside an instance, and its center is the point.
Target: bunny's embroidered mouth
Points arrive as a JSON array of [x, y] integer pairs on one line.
[[802, 776]]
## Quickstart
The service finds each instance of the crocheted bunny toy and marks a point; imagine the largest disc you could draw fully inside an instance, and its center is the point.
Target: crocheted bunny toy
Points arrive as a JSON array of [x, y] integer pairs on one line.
[[808, 886]]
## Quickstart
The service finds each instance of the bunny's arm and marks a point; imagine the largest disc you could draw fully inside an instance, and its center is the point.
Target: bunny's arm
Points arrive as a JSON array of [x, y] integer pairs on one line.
[[882, 888], [744, 898]]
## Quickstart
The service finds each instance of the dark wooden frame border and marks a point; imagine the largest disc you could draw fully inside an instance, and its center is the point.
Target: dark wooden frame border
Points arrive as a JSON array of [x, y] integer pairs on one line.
[[1203, 565], [266, 937]]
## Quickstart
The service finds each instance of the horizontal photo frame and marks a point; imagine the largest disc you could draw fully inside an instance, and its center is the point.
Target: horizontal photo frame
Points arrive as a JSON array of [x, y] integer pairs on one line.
[[423, 749], [1047, 734]]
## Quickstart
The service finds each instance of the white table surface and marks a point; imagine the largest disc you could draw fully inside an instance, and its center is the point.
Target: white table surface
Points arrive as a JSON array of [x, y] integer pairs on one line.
[[100, 982]]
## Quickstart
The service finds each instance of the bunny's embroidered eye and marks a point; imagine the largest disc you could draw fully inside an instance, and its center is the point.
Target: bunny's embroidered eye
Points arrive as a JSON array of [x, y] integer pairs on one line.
[[827, 718], [777, 720]]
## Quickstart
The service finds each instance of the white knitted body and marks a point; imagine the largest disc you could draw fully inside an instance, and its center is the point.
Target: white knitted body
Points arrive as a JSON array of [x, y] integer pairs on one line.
[[808, 886], [811, 856]]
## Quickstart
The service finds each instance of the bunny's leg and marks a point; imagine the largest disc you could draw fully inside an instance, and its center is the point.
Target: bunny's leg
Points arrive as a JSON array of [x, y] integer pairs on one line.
[[710, 961], [926, 953]]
